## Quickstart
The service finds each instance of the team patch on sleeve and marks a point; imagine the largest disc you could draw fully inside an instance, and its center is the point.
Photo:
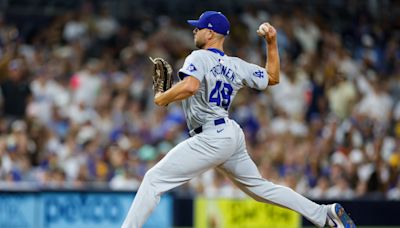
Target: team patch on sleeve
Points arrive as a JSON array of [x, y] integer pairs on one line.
[[191, 68], [259, 74]]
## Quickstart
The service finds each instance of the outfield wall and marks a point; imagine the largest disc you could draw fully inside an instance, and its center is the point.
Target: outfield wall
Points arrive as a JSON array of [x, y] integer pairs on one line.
[[101, 209], [74, 209]]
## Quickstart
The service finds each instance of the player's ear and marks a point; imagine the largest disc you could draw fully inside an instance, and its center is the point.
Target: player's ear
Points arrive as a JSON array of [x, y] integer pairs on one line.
[[210, 34]]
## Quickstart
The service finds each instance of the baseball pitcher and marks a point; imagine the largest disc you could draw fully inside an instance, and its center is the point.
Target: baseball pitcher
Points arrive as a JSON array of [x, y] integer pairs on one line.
[[209, 81]]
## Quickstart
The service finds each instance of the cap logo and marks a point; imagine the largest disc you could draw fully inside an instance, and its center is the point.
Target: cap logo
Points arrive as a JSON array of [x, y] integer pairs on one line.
[[210, 25]]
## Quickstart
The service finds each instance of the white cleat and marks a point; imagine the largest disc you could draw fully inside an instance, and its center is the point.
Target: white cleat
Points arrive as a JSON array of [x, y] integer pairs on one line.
[[339, 218]]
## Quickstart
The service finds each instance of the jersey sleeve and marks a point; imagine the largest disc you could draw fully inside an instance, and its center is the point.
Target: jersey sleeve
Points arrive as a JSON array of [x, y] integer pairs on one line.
[[193, 66], [255, 76]]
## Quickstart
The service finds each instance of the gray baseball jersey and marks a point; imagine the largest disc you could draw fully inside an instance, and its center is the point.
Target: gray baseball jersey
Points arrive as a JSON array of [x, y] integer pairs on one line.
[[221, 77]]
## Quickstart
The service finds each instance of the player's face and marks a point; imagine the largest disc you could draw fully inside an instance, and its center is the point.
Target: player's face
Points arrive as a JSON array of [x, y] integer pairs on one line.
[[200, 37]]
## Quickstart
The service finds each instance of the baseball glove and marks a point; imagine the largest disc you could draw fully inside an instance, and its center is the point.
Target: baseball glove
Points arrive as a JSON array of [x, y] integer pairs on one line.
[[162, 75]]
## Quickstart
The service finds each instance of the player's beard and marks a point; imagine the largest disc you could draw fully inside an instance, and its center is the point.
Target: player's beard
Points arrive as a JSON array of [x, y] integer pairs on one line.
[[199, 43]]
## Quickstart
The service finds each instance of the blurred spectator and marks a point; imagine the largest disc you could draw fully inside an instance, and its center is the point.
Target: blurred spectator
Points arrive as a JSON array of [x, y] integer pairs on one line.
[[106, 25], [376, 104], [341, 96], [320, 190], [46, 93], [15, 90], [76, 29], [340, 190], [87, 83], [306, 32], [290, 96]]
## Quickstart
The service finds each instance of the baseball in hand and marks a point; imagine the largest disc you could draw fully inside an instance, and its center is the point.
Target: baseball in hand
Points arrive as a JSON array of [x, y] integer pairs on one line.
[[267, 31], [262, 29]]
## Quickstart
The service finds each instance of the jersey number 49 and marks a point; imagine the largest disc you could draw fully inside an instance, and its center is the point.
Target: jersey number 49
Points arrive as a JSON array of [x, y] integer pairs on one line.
[[221, 94]]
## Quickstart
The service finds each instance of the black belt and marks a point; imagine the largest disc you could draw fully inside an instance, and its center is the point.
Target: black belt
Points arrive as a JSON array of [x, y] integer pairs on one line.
[[216, 122]]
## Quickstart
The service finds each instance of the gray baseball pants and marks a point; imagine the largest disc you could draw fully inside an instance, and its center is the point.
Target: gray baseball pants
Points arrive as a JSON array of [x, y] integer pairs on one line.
[[222, 147]]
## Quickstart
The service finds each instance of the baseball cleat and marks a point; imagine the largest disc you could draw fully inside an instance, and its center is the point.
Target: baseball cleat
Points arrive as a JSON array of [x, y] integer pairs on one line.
[[339, 217]]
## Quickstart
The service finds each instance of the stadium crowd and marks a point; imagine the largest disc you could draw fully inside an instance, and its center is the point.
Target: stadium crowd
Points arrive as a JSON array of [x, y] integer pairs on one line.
[[77, 105]]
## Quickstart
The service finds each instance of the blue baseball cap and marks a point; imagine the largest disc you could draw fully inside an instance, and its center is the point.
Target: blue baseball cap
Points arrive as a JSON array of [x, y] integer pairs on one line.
[[212, 20]]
